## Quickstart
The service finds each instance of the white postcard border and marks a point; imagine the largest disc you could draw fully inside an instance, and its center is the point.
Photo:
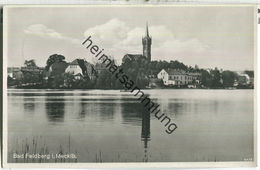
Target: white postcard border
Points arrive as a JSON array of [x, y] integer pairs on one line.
[[120, 165]]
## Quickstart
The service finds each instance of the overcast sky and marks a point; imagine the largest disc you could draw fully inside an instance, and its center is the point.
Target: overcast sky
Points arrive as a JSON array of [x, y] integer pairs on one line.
[[210, 37]]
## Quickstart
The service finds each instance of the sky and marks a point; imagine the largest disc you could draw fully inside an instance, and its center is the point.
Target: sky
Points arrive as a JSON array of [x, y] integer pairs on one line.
[[207, 36]]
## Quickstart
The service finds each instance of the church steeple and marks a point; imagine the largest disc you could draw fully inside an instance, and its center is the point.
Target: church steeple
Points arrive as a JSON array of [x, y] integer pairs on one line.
[[147, 42], [147, 31]]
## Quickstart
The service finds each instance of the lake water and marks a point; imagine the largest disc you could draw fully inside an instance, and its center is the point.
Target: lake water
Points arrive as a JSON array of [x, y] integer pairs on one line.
[[111, 126]]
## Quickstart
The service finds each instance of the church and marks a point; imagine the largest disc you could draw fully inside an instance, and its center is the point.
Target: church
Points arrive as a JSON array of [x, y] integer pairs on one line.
[[147, 42]]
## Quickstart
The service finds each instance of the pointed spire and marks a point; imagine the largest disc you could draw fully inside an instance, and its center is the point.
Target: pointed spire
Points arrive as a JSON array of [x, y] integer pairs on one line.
[[147, 31]]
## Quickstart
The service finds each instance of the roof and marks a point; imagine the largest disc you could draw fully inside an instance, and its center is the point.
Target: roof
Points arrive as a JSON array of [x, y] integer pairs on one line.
[[80, 63], [132, 56], [181, 72], [194, 74], [74, 62], [171, 71], [86, 67]]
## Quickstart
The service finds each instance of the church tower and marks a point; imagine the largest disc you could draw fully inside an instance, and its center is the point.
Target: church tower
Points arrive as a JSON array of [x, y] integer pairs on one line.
[[147, 42]]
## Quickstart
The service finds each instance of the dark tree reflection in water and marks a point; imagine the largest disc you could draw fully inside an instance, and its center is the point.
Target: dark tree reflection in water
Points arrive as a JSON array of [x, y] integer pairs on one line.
[[55, 107], [29, 102]]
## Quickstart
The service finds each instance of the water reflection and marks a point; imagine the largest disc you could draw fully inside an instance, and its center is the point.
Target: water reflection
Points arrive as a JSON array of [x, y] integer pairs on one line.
[[110, 124], [106, 111], [177, 108], [29, 102], [145, 135], [136, 114], [132, 113], [55, 107], [83, 111]]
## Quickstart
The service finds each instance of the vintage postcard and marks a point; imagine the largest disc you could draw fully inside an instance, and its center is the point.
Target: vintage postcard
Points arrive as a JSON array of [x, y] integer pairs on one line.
[[129, 86]]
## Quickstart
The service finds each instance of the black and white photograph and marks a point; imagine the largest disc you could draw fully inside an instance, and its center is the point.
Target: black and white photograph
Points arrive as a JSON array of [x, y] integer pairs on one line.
[[145, 84]]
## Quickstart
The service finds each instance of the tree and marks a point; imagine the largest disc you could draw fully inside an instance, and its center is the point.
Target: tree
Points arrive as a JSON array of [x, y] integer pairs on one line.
[[57, 82], [206, 78], [31, 77], [138, 70], [215, 77], [68, 80], [54, 58], [30, 63], [228, 78], [104, 80]]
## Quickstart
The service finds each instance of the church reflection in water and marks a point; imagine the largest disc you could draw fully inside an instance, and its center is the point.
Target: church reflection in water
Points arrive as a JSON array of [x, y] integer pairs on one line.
[[135, 114], [145, 134]]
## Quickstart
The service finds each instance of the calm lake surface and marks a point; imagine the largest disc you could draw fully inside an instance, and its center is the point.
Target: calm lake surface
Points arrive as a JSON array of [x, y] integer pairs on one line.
[[111, 126]]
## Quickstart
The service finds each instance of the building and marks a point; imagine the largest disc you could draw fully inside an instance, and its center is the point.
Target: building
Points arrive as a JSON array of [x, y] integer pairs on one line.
[[81, 68], [173, 77], [77, 68], [195, 76], [131, 57], [14, 72], [147, 42]]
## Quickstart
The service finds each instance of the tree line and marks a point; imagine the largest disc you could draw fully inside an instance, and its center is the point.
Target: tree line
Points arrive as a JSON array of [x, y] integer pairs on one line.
[[139, 70]]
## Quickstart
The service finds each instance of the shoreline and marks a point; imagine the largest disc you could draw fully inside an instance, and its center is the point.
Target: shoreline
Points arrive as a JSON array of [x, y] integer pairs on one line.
[[122, 90]]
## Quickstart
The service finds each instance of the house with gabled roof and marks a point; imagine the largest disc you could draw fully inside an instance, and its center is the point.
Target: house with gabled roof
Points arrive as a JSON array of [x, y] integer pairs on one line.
[[80, 68], [76, 68]]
